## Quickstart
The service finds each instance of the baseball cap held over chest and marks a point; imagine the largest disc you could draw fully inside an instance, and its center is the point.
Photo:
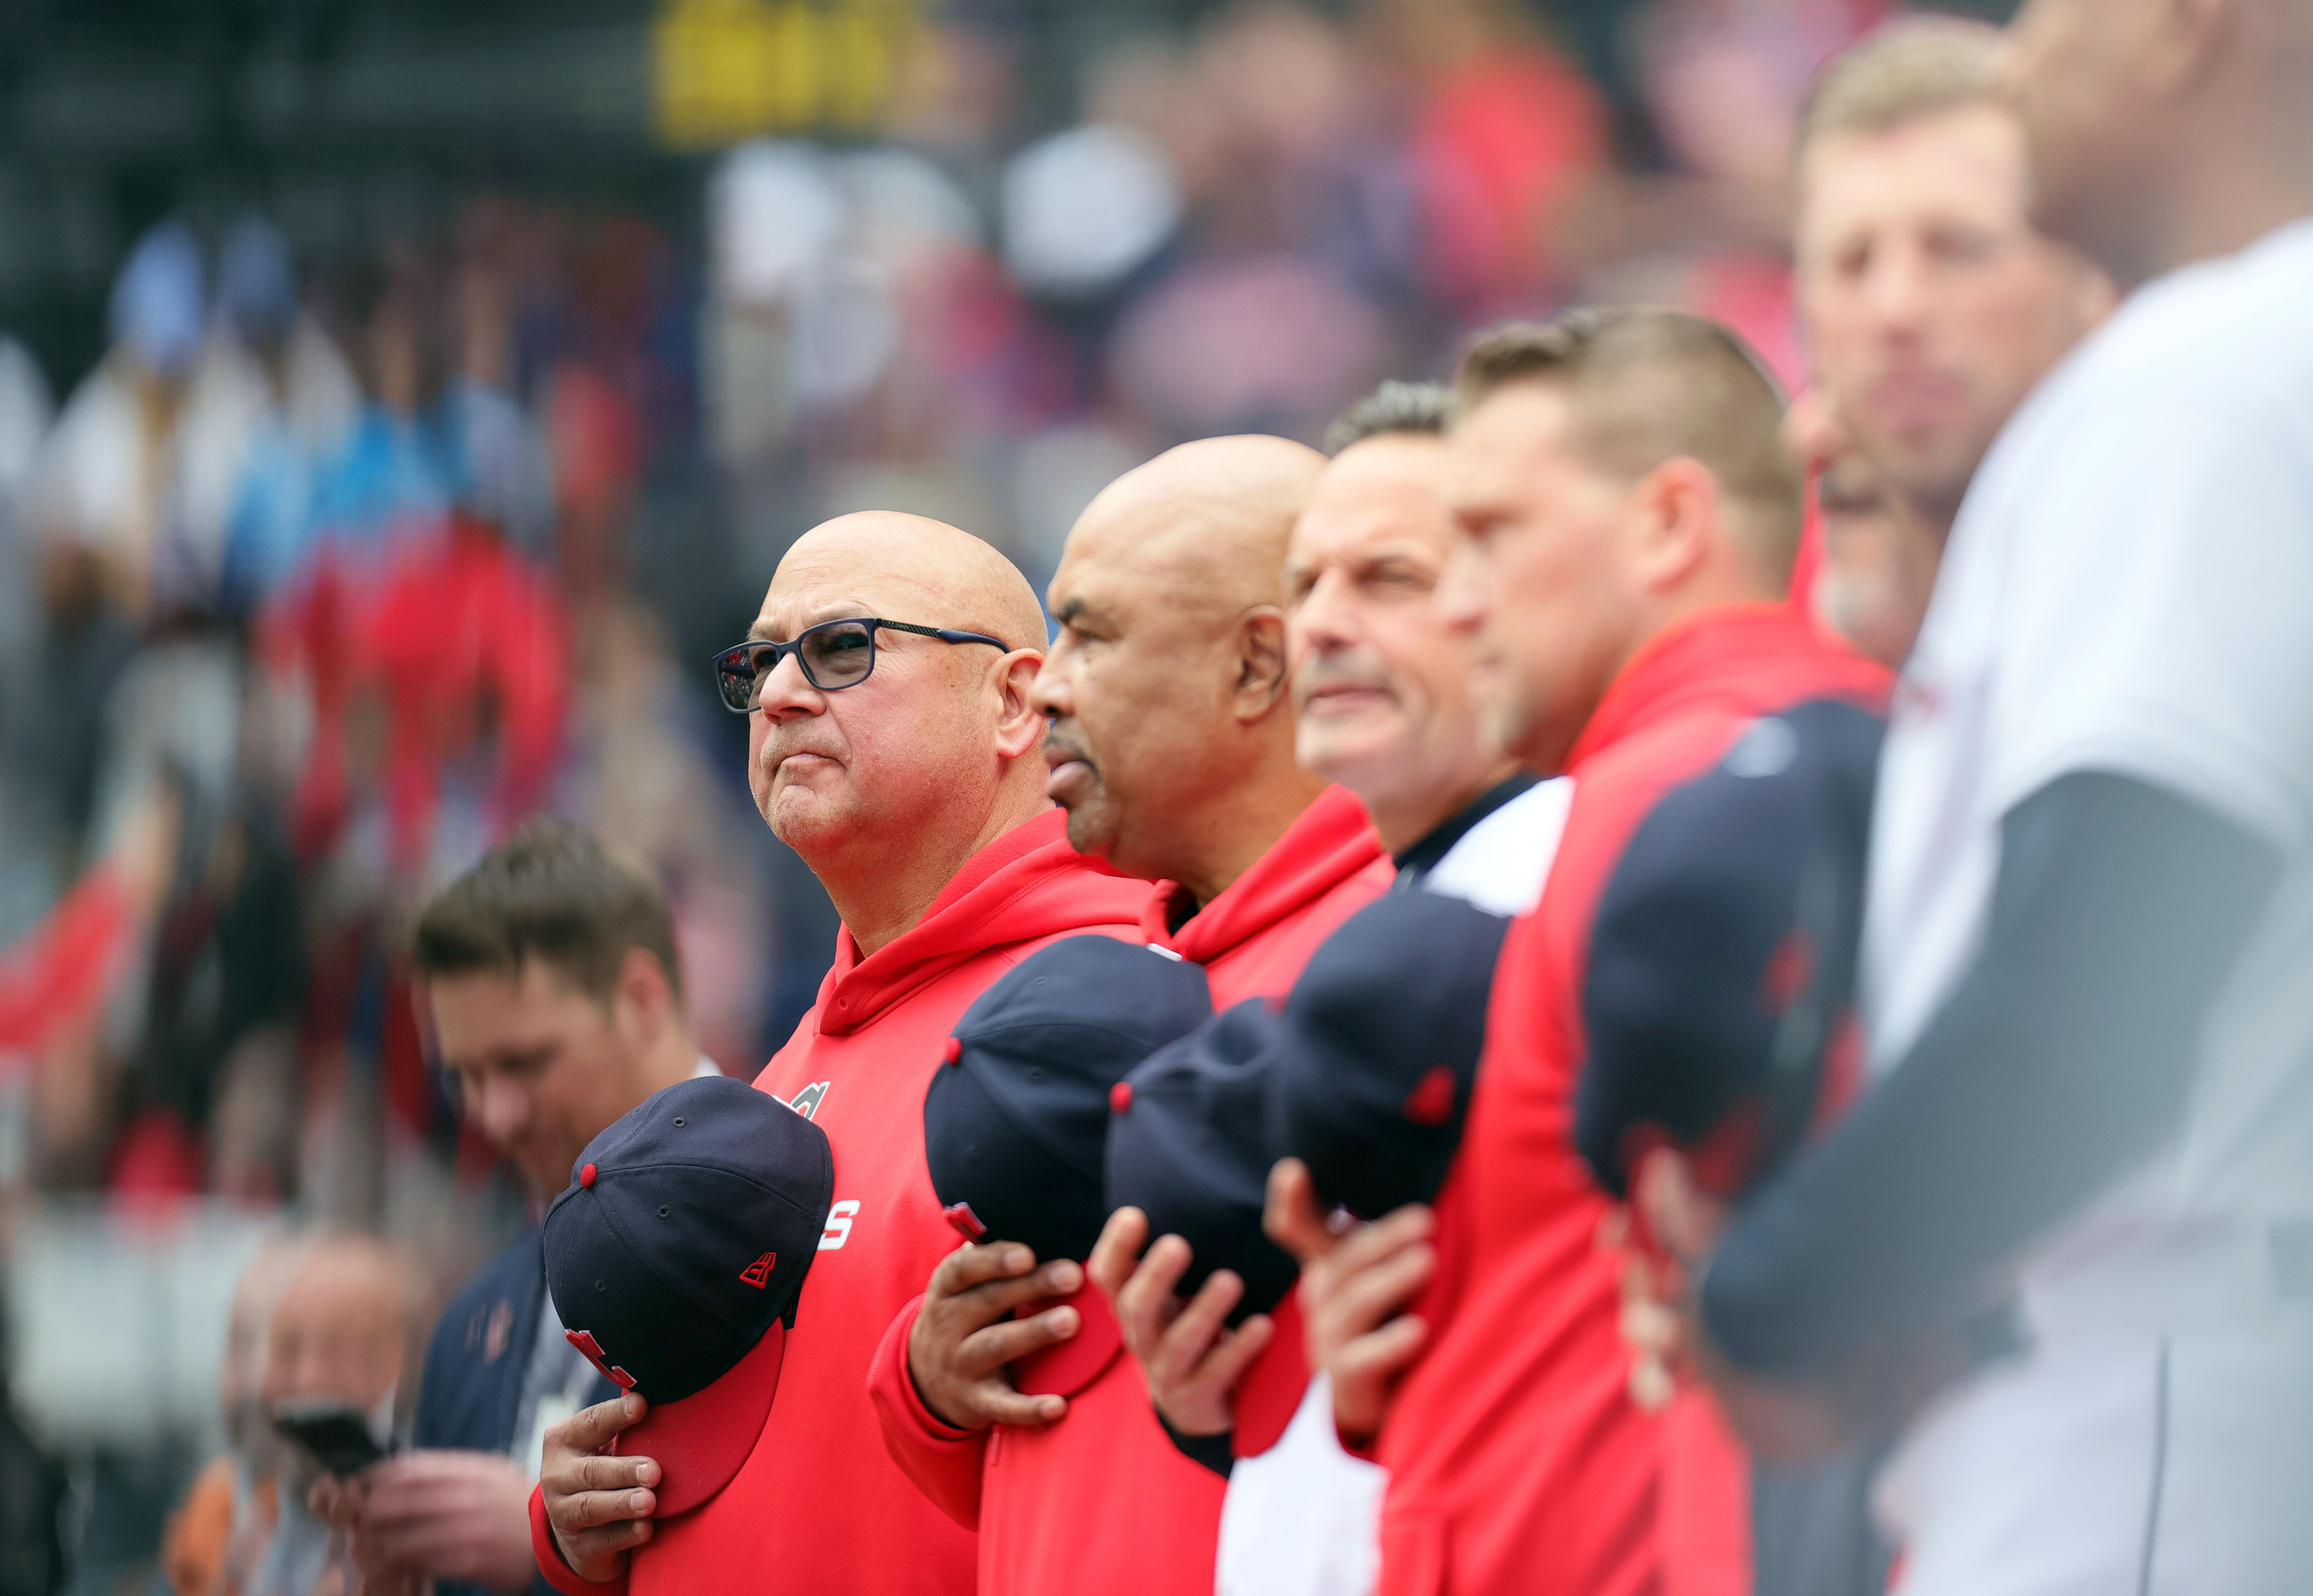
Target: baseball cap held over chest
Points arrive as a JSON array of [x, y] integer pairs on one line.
[[1014, 1127], [1186, 1146], [1382, 1035], [675, 1258]]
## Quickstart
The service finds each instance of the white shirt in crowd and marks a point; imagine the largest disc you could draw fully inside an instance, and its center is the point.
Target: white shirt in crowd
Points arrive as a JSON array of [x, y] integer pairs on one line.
[[2129, 591]]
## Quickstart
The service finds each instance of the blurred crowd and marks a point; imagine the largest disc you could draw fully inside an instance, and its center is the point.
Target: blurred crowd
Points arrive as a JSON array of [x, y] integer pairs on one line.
[[339, 565]]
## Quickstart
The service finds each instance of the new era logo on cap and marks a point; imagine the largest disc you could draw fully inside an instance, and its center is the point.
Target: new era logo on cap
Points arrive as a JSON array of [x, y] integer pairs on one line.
[[759, 1273]]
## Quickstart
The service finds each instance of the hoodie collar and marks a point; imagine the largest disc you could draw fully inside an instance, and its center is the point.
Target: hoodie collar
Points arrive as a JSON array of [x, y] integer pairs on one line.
[[1723, 657], [1026, 884], [1332, 841]]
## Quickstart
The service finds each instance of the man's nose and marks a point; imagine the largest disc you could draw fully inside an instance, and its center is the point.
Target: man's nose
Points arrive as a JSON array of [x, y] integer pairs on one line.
[[504, 1112], [1325, 618], [1459, 601], [1896, 288], [787, 692], [1049, 694]]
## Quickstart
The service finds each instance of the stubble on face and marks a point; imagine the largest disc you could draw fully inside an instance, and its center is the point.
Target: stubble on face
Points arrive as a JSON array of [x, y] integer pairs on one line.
[[1537, 589], [1931, 306]]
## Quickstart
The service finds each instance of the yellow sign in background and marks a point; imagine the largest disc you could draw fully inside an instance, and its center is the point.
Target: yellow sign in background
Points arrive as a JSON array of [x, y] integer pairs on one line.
[[727, 70]]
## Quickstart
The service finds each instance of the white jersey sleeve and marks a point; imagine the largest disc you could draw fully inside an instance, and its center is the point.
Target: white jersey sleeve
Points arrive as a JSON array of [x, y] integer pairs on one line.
[[2159, 614]]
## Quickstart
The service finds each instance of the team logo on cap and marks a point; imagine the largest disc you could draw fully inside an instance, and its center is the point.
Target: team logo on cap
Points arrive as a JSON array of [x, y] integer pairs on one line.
[[759, 1273], [583, 1340], [1431, 1100]]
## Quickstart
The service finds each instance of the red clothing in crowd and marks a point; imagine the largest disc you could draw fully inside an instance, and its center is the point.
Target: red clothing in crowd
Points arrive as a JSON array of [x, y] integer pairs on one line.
[[1102, 1501], [820, 1507], [1518, 1461]]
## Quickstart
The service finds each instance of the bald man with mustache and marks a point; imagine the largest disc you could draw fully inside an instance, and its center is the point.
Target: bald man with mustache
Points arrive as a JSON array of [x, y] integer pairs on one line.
[[1172, 749], [894, 744]]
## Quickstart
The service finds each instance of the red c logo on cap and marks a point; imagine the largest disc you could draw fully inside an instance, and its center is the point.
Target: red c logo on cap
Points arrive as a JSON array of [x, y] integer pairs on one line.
[[583, 1340], [1119, 1097]]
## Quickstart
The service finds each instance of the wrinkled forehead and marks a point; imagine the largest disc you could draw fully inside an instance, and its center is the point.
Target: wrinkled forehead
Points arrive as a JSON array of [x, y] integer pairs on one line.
[[1383, 496], [1521, 431], [814, 587], [1965, 164]]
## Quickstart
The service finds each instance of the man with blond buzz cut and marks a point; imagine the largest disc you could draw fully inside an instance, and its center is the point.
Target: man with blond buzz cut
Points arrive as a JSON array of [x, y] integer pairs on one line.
[[892, 743], [1930, 305], [1170, 747]]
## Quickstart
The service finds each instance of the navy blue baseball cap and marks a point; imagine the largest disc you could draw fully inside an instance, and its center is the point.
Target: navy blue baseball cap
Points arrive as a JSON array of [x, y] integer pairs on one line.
[[1187, 1145], [675, 1259], [1015, 1125], [1381, 1041], [1718, 995]]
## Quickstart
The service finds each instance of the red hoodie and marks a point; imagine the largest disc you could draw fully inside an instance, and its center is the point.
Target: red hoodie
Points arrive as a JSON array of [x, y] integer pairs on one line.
[[1516, 1460], [820, 1508], [1102, 1501], [1255, 937]]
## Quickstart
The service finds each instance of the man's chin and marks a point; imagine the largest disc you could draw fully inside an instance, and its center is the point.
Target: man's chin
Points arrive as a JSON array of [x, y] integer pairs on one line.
[[806, 819], [1092, 829], [1347, 751], [1506, 732]]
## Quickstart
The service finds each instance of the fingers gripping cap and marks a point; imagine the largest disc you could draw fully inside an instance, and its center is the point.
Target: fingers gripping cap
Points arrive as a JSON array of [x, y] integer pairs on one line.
[[1380, 1048], [1015, 1125], [677, 1268]]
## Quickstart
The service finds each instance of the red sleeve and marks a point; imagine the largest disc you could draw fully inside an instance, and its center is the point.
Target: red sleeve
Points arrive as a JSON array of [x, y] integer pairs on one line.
[[557, 1573], [944, 1462]]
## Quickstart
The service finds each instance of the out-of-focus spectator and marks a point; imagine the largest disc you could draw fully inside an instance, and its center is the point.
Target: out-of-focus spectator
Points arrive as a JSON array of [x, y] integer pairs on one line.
[[25, 411], [556, 998], [111, 482], [340, 1332], [216, 1540], [640, 780], [1507, 134], [271, 398]]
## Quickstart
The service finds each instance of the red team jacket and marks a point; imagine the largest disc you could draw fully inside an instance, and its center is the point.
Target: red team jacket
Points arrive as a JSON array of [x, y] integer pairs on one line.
[[1102, 1501], [820, 1507], [1517, 1462], [1255, 937]]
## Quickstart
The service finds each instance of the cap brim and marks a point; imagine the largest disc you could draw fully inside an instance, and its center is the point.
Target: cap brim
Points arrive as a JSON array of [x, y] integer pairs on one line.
[[701, 1442], [1066, 1367], [1271, 1390]]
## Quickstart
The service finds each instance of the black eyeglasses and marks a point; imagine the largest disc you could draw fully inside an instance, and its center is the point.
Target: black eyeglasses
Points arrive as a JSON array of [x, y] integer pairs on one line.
[[834, 654]]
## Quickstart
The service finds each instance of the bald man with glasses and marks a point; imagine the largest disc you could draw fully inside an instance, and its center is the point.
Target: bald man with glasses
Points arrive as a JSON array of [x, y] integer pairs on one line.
[[902, 760]]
